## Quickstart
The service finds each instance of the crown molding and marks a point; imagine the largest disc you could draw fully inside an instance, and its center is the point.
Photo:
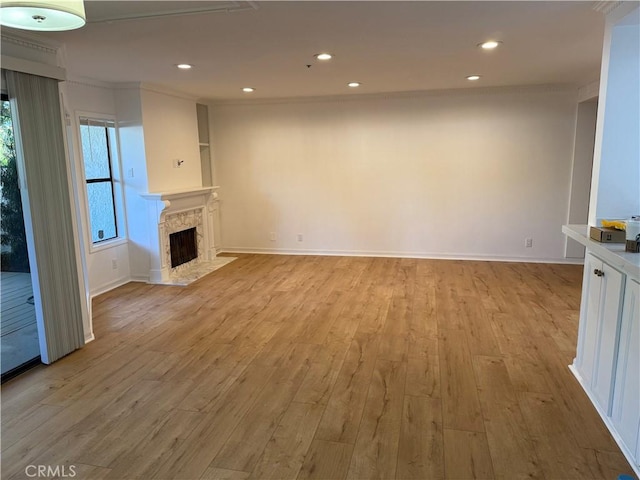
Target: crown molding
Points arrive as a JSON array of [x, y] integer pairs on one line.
[[31, 42], [152, 87], [514, 90], [607, 6], [220, 6], [90, 82]]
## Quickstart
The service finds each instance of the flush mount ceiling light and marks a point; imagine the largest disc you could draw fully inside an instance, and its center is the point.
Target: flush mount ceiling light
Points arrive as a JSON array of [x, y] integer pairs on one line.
[[354, 84], [489, 45], [248, 89], [323, 56], [473, 78], [43, 15], [184, 66]]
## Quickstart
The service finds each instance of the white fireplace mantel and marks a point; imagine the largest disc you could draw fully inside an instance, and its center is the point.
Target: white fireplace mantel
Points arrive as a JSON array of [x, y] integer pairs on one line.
[[166, 213], [182, 193]]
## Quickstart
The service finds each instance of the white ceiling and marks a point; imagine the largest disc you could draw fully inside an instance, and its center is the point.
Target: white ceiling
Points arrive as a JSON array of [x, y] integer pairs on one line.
[[389, 46]]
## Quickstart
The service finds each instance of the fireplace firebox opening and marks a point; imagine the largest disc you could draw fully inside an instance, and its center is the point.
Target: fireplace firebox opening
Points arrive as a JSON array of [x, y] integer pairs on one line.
[[184, 246]]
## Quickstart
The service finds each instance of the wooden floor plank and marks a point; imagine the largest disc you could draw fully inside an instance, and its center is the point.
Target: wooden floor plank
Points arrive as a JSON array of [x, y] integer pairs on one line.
[[284, 454], [423, 376], [466, 455], [511, 447], [341, 418], [139, 460], [460, 404], [421, 446], [375, 451], [244, 447], [318, 384], [552, 438], [326, 460]]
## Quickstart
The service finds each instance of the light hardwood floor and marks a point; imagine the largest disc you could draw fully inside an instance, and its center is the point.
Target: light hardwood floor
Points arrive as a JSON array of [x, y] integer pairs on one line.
[[281, 367]]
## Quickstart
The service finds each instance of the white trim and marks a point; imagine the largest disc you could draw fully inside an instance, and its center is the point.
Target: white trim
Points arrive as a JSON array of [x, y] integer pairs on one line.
[[139, 278], [116, 177], [517, 89], [151, 87], [89, 338], [607, 422], [181, 193], [392, 254], [212, 7], [107, 287], [589, 92], [89, 82], [33, 68], [107, 244], [31, 42]]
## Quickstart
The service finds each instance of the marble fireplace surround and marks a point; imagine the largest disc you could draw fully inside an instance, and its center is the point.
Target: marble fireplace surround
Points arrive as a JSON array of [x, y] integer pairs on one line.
[[172, 212]]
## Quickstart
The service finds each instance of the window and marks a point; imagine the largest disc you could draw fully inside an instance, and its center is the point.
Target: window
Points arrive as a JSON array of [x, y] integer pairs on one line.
[[99, 152]]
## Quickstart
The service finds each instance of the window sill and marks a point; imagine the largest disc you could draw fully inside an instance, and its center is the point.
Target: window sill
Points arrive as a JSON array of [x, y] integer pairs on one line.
[[107, 244]]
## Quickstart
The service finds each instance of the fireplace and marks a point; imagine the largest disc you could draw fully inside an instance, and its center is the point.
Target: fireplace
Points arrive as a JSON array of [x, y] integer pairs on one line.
[[181, 233], [183, 246]]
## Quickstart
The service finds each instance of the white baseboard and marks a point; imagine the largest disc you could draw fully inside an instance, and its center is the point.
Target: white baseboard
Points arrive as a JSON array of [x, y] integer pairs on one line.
[[109, 286], [607, 422], [419, 255], [89, 338], [139, 278]]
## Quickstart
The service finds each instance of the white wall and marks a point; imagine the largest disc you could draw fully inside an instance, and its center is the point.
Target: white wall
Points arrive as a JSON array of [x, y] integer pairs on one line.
[[171, 133], [97, 101], [451, 174], [616, 178], [134, 166]]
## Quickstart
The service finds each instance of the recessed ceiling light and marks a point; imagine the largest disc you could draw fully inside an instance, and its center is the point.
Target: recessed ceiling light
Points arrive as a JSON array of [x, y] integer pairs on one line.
[[354, 84], [324, 56], [490, 45], [184, 66], [473, 78], [248, 89]]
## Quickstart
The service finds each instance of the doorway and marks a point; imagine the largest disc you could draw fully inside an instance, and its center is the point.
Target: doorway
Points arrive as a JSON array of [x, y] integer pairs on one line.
[[19, 345], [581, 172]]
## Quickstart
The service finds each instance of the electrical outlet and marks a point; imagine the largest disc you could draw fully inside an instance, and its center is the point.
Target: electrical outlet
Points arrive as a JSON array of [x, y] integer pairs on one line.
[[114, 264], [130, 172], [300, 237], [528, 242], [272, 236]]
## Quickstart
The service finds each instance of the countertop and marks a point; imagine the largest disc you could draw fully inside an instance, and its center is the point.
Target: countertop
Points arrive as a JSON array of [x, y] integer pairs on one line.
[[612, 253]]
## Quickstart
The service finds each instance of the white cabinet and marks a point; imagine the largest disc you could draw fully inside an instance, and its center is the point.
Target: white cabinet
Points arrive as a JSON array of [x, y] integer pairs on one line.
[[607, 364], [599, 328], [625, 414]]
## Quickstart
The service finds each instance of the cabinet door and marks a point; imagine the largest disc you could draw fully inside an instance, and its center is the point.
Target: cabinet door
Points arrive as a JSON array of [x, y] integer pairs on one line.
[[611, 291], [625, 414], [589, 316]]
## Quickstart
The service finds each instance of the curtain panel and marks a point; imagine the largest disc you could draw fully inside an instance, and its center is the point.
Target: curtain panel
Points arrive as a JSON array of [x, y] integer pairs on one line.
[[39, 137]]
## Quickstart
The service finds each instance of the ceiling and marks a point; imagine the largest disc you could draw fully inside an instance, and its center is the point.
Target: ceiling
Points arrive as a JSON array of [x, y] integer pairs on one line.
[[389, 46]]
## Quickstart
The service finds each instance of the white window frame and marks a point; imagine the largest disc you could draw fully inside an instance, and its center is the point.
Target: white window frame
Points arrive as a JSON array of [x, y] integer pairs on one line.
[[117, 183]]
